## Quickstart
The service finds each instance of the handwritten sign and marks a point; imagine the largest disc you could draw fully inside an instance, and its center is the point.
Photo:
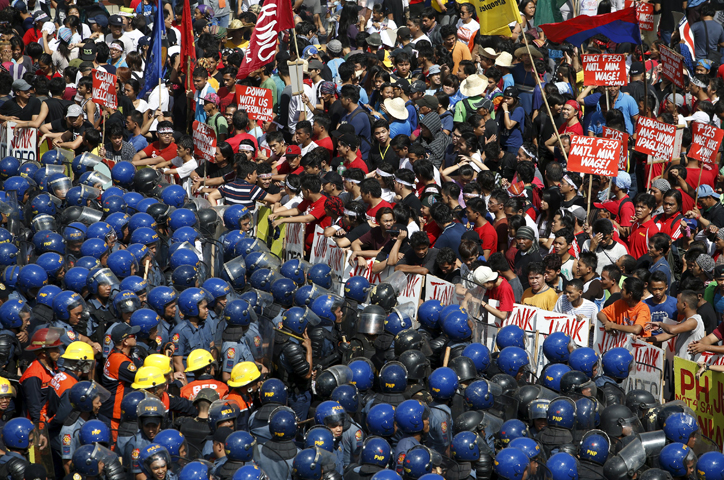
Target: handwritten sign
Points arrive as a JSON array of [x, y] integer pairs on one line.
[[614, 134], [411, 293], [706, 140], [204, 142], [596, 156], [294, 241], [439, 289], [577, 330], [672, 66], [655, 138], [104, 89], [649, 372], [645, 16], [21, 143], [604, 341], [325, 250], [604, 69], [258, 102], [703, 395]]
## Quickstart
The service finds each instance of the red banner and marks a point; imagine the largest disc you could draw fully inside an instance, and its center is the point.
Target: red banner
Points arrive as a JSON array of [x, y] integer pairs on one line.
[[204, 142], [655, 138], [258, 102], [672, 66], [623, 137], [104, 89], [274, 17], [597, 156], [705, 143], [604, 70], [188, 47], [645, 15]]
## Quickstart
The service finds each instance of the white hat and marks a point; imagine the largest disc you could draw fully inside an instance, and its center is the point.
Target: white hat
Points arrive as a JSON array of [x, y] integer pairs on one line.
[[698, 116], [484, 274], [504, 60], [389, 37], [396, 108], [474, 85]]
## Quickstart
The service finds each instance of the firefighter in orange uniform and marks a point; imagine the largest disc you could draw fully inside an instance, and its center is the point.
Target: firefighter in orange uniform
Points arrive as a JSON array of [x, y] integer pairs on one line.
[[162, 385], [244, 382], [203, 366]]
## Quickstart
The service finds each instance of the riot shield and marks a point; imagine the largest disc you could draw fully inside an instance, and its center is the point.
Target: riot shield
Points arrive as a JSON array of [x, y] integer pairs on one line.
[[491, 424], [44, 222], [262, 346], [506, 406], [52, 169], [100, 178], [398, 280], [703, 444], [68, 155], [88, 216]]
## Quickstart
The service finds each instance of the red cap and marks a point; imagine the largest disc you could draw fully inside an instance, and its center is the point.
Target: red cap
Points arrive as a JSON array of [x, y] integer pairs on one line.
[[294, 150]]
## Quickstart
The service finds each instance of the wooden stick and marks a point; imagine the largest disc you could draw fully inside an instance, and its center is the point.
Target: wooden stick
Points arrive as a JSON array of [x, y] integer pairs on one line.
[[590, 185], [698, 184], [608, 102], [145, 273], [447, 357]]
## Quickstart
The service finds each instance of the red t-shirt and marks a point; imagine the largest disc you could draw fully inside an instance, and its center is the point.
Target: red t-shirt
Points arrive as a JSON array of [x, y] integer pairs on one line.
[[236, 140], [327, 143], [433, 231], [489, 237], [168, 153], [503, 293], [576, 129], [708, 177], [315, 209], [627, 210], [372, 212], [33, 36], [687, 202], [638, 241], [357, 163], [670, 226], [228, 97]]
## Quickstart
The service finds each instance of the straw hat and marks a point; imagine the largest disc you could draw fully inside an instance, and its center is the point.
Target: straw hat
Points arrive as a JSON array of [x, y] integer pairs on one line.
[[235, 24], [533, 51], [504, 60], [488, 52], [474, 85], [396, 108]]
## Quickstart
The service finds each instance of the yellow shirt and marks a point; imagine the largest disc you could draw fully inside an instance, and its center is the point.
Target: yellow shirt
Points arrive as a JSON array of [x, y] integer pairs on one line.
[[545, 300]]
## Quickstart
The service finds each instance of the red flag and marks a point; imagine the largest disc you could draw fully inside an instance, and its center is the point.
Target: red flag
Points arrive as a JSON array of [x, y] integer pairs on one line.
[[274, 17], [188, 48]]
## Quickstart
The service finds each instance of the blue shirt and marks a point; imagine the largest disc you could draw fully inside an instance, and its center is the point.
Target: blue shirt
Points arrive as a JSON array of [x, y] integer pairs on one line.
[[663, 310], [398, 127], [451, 237], [628, 106], [186, 337], [590, 106], [358, 119], [412, 112], [139, 142], [662, 266], [511, 140], [596, 124]]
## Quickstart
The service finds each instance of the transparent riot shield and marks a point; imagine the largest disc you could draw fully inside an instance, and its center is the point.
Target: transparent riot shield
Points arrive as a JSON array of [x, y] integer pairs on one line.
[[88, 216], [262, 345], [398, 280], [52, 169], [99, 178], [68, 155], [341, 373]]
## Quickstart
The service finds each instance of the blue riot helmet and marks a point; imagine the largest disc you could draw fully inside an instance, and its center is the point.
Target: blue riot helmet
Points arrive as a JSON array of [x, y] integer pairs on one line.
[[103, 231], [530, 447], [263, 278], [552, 374], [42, 205], [283, 423], [247, 472], [31, 278], [563, 466], [479, 354], [189, 300], [233, 215], [84, 462], [595, 446], [140, 252], [126, 302], [307, 465], [9, 167], [87, 396], [329, 413], [555, 347], [218, 289], [357, 289], [122, 263], [306, 295], [229, 241], [321, 274], [328, 309], [146, 319], [513, 360], [618, 363], [296, 270], [159, 298], [132, 199], [273, 390], [393, 378], [174, 196], [153, 455], [183, 256], [14, 313], [480, 394], [43, 222], [257, 299], [239, 313], [585, 360], [511, 430], [10, 275], [8, 254], [58, 185], [46, 295], [457, 325], [20, 185], [443, 383], [114, 204], [464, 447], [363, 373], [144, 236], [74, 235], [587, 414], [296, 320], [390, 475], [140, 220], [710, 466], [399, 318], [248, 245], [677, 459], [348, 397], [122, 174], [562, 413], [319, 436], [94, 431], [16, 433], [135, 284], [538, 409], [679, 427], [234, 272], [185, 234], [510, 336], [28, 169], [5, 236], [185, 277], [174, 441], [197, 470], [222, 411], [95, 247], [101, 276], [47, 241], [283, 292], [429, 314], [258, 260], [239, 446], [381, 420], [418, 462], [410, 416], [53, 264], [130, 403], [182, 217], [511, 464], [376, 451], [52, 157]]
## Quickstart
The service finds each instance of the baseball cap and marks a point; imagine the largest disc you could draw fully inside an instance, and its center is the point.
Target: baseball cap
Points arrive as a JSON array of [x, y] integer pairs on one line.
[[74, 111], [40, 16], [623, 180], [485, 103], [578, 212], [428, 101], [88, 52], [637, 68], [85, 66], [309, 51], [144, 41], [719, 271], [293, 150], [707, 191], [511, 92], [343, 129], [122, 330], [484, 274], [418, 86], [349, 140], [403, 32], [21, 85], [115, 21], [101, 20], [213, 98], [332, 177], [433, 70], [315, 65]]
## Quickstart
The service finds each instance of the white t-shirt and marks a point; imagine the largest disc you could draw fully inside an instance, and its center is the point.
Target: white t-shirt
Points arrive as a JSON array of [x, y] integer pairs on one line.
[[567, 268], [467, 30], [308, 148], [385, 23], [295, 108], [184, 172], [606, 256], [588, 309], [684, 339]]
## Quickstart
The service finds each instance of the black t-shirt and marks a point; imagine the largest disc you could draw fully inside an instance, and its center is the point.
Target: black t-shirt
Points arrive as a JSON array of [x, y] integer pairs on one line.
[[708, 316], [386, 154], [12, 109], [612, 299], [213, 170], [396, 8], [577, 200], [414, 203], [521, 265], [358, 231], [61, 126], [56, 109], [635, 89], [336, 112]]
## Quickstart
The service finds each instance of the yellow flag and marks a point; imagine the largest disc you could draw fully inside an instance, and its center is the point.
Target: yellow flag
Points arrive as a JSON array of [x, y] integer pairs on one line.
[[495, 15]]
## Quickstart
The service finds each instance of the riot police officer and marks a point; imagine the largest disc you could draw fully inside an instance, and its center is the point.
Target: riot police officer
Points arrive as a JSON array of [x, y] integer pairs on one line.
[[593, 454], [371, 324], [443, 386], [277, 455], [561, 420], [616, 364], [272, 394], [413, 420], [151, 415], [293, 362], [18, 435], [239, 447], [375, 456]]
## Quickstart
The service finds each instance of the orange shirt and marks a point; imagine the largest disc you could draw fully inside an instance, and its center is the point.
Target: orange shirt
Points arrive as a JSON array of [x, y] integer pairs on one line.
[[620, 313]]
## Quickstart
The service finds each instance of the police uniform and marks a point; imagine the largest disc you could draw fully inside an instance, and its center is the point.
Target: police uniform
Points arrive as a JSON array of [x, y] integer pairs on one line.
[[186, 337], [259, 422], [155, 276], [195, 431], [612, 392], [18, 462], [69, 439], [441, 423], [361, 472], [163, 334], [324, 342], [69, 335], [401, 450], [290, 366], [352, 439], [132, 451], [101, 317], [276, 458], [126, 431]]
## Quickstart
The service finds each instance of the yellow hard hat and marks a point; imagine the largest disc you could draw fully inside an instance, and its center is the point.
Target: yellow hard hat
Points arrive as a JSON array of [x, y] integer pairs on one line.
[[198, 359], [162, 362], [6, 388], [148, 377], [78, 351], [243, 374]]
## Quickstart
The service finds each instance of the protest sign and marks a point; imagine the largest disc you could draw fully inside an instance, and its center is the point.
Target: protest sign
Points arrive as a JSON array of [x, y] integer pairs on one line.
[[21, 143], [703, 395], [604, 70], [263, 226], [525, 317], [204, 142], [365, 271], [706, 140], [672, 66], [104, 89], [439, 289], [604, 341], [597, 156], [649, 372], [412, 291], [294, 241], [645, 15], [614, 134], [325, 250], [655, 138], [577, 330], [257, 102]]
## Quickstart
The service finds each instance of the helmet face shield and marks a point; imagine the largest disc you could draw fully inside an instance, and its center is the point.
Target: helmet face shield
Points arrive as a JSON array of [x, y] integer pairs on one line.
[[89, 216], [371, 323], [89, 160], [60, 186], [105, 277], [44, 222], [98, 178], [235, 268]]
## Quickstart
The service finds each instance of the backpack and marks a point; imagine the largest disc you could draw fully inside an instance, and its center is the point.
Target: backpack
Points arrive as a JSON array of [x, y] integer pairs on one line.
[[527, 130], [620, 205], [370, 119]]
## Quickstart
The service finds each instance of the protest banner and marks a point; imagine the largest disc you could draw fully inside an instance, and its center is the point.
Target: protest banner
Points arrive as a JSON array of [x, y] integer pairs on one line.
[[438, 289], [263, 226], [604, 341], [672, 66], [525, 317], [104, 89], [258, 102], [21, 143], [655, 138], [705, 143], [703, 395], [411, 293], [614, 134], [294, 241], [649, 372], [365, 271], [596, 156], [325, 250], [645, 15], [604, 70], [576, 329], [204, 141]]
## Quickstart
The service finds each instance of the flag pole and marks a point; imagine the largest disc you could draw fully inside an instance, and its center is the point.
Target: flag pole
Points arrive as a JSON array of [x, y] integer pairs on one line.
[[545, 100]]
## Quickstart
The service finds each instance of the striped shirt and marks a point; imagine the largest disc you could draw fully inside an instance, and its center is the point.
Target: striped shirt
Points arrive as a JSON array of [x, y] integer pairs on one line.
[[242, 192]]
